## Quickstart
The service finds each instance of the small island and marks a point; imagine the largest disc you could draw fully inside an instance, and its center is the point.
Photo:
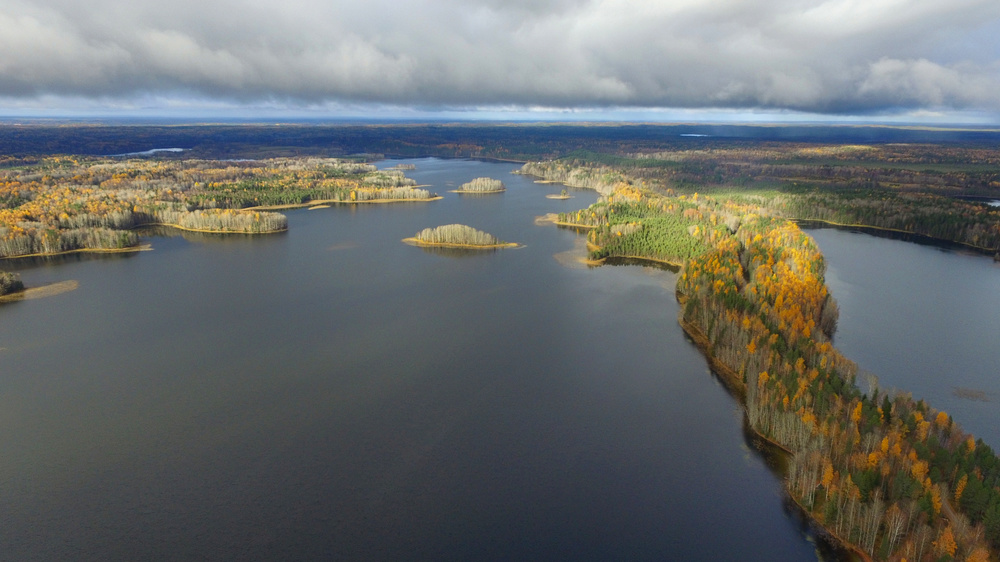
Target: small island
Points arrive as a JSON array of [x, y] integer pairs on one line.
[[10, 283], [457, 236], [12, 289], [561, 195], [482, 185]]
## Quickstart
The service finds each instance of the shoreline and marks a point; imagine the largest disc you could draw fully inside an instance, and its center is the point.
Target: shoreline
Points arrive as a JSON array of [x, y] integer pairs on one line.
[[595, 247], [417, 242], [826, 534], [982, 249], [128, 250], [733, 382]]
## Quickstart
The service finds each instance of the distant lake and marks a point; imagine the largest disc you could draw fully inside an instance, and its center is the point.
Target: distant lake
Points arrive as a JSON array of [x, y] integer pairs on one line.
[[923, 318], [332, 393]]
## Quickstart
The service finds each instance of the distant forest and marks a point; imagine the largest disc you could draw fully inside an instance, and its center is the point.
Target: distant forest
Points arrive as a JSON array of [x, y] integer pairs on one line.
[[523, 141]]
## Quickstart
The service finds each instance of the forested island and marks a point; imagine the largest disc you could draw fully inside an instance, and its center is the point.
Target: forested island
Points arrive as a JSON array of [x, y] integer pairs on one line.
[[482, 185], [458, 236], [61, 204]]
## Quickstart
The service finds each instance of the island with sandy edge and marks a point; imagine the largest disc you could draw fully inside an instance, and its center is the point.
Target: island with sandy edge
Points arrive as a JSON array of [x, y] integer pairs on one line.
[[457, 236]]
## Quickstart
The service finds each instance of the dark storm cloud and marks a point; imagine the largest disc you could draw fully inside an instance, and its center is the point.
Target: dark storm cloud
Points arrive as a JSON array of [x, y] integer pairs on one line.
[[809, 55]]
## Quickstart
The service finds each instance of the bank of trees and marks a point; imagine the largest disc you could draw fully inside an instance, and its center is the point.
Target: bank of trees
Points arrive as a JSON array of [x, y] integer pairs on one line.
[[213, 220], [327, 181], [966, 222], [33, 241], [576, 174]]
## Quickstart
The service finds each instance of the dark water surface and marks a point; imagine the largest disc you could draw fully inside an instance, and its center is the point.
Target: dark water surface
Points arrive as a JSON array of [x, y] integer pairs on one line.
[[333, 393], [923, 318]]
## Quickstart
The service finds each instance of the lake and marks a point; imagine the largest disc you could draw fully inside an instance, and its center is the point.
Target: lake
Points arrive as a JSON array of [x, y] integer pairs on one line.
[[333, 393], [923, 318]]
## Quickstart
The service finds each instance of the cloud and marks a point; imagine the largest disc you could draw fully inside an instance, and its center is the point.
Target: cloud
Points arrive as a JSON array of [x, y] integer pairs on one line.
[[917, 83], [825, 56]]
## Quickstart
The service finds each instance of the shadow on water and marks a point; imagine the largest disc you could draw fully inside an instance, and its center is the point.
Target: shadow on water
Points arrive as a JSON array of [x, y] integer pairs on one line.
[[644, 263], [776, 459], [201, 237]]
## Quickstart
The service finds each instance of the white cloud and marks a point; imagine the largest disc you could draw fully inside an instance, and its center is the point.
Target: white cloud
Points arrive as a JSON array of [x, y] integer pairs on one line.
[[804, 55]]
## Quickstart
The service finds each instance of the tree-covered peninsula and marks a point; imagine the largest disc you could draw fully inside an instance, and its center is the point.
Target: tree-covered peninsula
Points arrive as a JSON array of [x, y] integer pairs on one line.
[[883, 474]]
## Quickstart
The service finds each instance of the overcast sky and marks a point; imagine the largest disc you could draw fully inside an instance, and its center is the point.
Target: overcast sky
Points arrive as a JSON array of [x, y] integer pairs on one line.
[[911, 58]]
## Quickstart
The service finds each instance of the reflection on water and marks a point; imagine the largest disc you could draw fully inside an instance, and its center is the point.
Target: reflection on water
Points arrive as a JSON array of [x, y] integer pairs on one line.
[[457, 252], [642, 263], [153, 232], [575, 258], [56, 261]]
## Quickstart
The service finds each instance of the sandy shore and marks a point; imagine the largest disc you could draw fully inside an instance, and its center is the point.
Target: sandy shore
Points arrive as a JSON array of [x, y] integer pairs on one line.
[[41, 292]]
